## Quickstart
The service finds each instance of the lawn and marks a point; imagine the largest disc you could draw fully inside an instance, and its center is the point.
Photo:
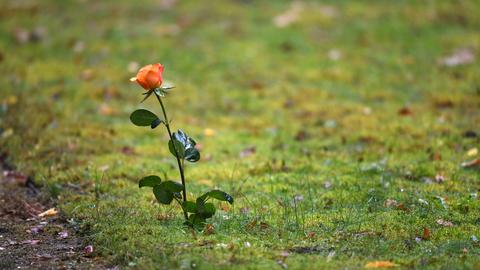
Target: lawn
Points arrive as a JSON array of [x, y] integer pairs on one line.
[[339, 127]]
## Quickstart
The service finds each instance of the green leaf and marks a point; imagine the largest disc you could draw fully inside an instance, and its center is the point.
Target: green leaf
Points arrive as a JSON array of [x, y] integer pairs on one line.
[[155, 123], [147, 94], [190, 152], [162, 195], [192, 155], [206, 210], [190, 207], [180, 149], [172, 186], [196, 221], [149, 181], [202, 198], [220, 195], [209, 209], [177, 195], [167, 86], [143, 117]]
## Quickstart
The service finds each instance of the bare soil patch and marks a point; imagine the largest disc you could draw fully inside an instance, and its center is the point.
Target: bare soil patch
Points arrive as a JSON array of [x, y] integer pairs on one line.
[[30, 241]]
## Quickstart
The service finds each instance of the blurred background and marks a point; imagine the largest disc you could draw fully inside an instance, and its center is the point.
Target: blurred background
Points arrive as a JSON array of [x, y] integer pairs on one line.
[[359, 111], [237, 58]]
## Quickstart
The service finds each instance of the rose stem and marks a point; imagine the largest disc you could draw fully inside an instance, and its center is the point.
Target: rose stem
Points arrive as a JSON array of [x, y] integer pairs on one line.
[[180, 167]]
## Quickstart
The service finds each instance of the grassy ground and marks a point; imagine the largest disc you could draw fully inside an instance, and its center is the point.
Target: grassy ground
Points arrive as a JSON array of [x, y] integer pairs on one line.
[[340, 135]]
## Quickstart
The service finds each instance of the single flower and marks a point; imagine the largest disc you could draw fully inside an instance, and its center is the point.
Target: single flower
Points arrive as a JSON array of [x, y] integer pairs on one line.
[[149, 77]]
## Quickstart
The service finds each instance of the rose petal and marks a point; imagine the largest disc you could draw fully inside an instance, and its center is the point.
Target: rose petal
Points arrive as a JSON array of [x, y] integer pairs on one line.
[[48, 213]]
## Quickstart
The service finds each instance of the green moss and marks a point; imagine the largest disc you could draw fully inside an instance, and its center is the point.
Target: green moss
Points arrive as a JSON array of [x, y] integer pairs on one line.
[[64, 120]]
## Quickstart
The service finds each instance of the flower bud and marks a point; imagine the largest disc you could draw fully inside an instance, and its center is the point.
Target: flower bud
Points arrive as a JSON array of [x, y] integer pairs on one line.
[[149, 77]]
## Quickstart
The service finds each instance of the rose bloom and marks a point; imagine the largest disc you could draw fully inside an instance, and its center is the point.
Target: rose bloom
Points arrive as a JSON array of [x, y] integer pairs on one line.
[[149, 77]]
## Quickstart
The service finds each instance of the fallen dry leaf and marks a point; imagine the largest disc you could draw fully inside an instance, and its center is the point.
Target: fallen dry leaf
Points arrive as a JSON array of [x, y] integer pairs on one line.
[[31, 242], [444, 104], [36, 229], [302, 135], [206, 182], [167, 4], [367, 139], [87, 74], [10, 100], [405, 111], [133, 67], [436, 156], [289, 103], [248, 151], [327, 184], [44, 257], [21, 35], [311, 235], [402, 207], [289, 16], [244, 210], [471, 164], [88, 249], [367, 110], [199, 146], [444, 223], [104, 168], [284, 254], [472, 152], [63, 234], [127, 150], [390, 203], [7, 133], [257, 85], [110, 92], [380, 264], [328, 11], [209, 229], [251, 224], [105, 109], [439, 178], [334, 55], [458, 57], [426, 234], [282, 264], [264, 225], [168, 30], [298, 198], [11, 242], [208, 132], [78, 46], [50, 212], [207, 157], [15, 177], [225, 207]]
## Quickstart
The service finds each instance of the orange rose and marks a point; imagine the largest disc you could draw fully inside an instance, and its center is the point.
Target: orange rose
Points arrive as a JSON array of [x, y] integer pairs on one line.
[[149, 77]]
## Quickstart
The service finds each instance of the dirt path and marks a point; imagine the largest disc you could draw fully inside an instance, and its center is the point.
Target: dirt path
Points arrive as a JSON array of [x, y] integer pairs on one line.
[[29, 241]]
